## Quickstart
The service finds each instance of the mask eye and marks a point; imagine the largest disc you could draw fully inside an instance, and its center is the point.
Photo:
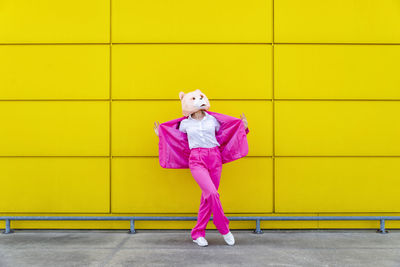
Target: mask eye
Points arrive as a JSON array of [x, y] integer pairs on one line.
[[194, 98]]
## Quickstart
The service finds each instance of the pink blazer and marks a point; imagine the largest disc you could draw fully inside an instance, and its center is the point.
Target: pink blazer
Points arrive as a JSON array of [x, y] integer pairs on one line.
[[173, 145]]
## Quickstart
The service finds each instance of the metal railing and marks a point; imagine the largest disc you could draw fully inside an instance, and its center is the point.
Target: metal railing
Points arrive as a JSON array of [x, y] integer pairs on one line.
[[132, 219]]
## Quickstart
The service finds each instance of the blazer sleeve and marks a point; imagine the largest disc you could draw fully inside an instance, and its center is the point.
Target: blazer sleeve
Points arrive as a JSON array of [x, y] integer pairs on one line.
[[173, 146]]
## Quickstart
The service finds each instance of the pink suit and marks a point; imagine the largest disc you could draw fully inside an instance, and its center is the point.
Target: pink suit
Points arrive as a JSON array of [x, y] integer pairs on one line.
[[205, 163]]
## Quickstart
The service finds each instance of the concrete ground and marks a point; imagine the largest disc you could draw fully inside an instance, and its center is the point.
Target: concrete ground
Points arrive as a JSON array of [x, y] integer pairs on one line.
[[176, 248]]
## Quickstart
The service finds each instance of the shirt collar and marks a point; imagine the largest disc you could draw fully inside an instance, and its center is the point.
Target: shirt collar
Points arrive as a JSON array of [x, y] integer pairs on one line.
[[190, 116]]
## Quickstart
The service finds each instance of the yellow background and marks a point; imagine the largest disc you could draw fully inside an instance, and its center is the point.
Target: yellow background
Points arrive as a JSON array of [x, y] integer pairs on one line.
[[82, 82]]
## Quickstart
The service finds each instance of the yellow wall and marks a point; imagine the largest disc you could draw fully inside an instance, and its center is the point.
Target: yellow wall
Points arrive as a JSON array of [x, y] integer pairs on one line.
[[82, 82]]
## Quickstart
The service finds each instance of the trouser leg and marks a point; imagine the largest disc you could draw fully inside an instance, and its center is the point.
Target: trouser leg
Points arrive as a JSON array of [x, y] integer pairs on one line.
[[203, 218], [215, 169], [206, 169]]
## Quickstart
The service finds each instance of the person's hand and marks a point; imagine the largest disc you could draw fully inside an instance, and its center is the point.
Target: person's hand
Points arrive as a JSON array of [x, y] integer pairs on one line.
[[244, 120], [156, 124]]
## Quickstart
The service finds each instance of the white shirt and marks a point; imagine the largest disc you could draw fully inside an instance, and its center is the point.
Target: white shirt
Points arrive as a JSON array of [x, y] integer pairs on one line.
[[201, 133]]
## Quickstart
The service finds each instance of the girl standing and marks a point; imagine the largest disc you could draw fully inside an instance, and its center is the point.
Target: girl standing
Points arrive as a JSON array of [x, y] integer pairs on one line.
[[205, 163]]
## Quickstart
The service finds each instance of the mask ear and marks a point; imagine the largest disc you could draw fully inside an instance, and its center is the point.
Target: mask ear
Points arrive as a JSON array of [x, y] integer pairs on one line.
[[181, 95]]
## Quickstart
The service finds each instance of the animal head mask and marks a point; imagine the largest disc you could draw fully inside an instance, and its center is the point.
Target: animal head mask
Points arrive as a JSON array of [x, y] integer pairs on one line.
[[193, 101]]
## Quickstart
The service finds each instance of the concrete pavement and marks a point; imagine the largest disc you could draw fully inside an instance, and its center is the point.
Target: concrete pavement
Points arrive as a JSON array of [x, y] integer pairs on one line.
[[175, 248]]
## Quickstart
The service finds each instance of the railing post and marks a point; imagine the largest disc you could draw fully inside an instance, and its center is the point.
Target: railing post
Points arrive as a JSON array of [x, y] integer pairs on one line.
[[132, 230], [258, 230], [382, 228], [8, 230]]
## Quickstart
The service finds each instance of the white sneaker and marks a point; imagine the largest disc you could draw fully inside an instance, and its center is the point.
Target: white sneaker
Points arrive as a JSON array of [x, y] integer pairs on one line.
[[229, 239], [201, 241]]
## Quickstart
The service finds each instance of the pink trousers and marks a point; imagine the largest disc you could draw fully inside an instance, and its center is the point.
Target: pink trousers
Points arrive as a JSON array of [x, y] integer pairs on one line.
[[206, 165]]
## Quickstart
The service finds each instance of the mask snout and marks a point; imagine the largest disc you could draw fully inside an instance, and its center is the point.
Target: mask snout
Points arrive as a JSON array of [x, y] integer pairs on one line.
[[200, 103]]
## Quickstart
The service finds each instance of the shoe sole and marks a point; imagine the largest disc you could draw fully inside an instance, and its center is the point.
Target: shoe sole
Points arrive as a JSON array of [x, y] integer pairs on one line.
[[230, 244], [200, 245]]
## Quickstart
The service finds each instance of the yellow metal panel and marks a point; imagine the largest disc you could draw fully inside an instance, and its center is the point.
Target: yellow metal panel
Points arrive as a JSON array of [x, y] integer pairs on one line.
[[337, 71], [337, 21], [230, 71], [140, 184], [54, 71], [61, 21], [259, 118], [186, 21], [233, 66], [337, 128], [133, 133], [46, 184], [247, 185], [54, 128], [337, 184]]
